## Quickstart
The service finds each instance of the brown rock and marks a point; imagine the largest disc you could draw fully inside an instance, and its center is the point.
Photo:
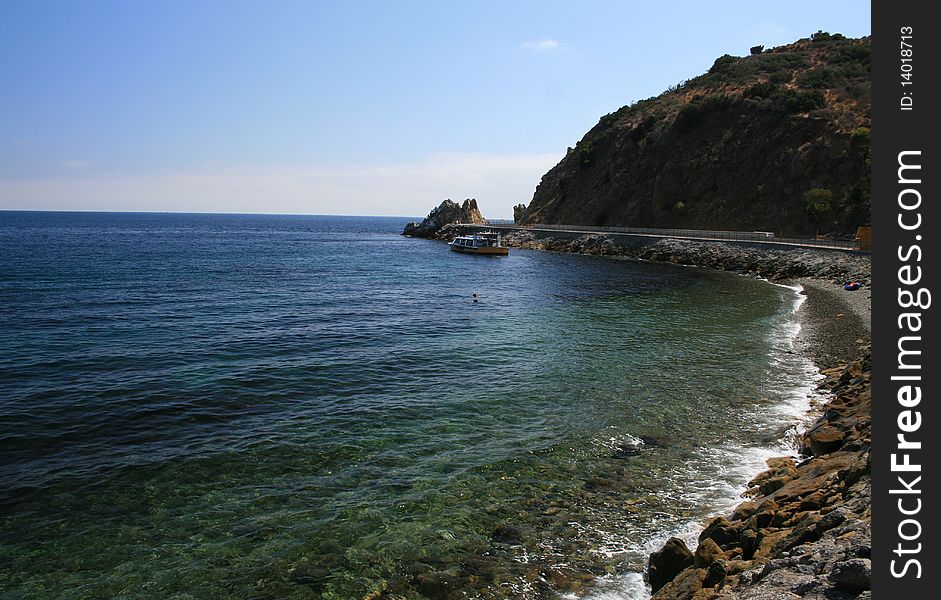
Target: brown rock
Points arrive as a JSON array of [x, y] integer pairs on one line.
[[667, 563], [721, 531], [796, 518], [824, 439], [814, 501], [804, 530], [799, 503], [687, 586], [783, 514], [767, 511], [769, 486], [766, 541], [815, 475], [781, 468], [749, 543], [854, 370], [717, 571], [706, 552], [834, 371], [744, 510], [782, 465], [735, 567]]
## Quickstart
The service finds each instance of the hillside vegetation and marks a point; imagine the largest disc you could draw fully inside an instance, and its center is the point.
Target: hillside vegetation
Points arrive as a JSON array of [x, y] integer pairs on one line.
[[775, 141]]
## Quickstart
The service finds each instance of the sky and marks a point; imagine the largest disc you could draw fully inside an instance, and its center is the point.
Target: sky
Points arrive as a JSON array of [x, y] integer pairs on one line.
[[353, 108]]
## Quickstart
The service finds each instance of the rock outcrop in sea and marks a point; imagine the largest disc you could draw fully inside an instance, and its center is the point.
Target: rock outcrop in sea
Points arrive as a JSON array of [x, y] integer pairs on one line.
[[446, 213]]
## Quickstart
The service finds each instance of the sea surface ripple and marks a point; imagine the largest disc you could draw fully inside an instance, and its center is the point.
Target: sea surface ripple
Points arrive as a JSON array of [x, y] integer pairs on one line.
[[251, 406]]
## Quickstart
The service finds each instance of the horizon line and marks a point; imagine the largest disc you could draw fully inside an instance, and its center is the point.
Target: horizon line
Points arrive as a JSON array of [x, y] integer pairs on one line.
[[178, 212]]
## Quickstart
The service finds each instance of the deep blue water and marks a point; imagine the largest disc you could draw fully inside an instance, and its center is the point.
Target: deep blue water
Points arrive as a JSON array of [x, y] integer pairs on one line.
[[250, 406]]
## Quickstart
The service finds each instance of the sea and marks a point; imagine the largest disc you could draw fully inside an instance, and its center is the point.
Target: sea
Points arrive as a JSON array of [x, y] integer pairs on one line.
[[271, 406]]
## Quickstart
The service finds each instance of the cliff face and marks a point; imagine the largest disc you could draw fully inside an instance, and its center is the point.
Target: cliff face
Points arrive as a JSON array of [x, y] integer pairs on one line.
[[444, 214], [776, 141]]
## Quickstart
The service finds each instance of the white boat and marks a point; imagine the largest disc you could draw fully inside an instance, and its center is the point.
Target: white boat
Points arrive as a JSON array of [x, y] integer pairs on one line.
[[486, 242]]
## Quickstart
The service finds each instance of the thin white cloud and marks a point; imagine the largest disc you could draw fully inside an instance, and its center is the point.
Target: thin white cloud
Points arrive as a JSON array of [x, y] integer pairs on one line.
[[546, 45], [406, 189]]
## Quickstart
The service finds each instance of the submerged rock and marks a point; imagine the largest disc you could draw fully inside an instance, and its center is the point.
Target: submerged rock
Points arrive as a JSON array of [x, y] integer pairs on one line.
[[655, 441], [625, 450], [314, 577], [438, 584], [509, 534]]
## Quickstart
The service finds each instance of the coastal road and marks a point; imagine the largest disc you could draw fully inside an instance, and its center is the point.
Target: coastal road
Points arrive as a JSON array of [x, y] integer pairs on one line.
[[751, 237]]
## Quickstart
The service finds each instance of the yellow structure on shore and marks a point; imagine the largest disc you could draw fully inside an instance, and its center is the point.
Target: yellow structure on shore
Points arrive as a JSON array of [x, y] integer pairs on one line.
[[864, 237]]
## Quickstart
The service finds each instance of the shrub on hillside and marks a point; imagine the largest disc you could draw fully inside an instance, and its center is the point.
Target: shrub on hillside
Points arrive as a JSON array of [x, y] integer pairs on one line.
[[698, 108], [861, 137], [794, 101], [722, 64], [772, 62], [852, 53], [818, 204], [608, 120], [763, 89], [819, 78], [585, 155]]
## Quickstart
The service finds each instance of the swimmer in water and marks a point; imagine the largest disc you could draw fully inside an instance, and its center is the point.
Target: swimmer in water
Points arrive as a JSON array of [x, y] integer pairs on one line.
[[475, 297]]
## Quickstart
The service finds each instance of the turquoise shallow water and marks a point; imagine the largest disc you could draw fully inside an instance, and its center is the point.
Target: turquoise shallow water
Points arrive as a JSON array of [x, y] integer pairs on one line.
[[209, 406]]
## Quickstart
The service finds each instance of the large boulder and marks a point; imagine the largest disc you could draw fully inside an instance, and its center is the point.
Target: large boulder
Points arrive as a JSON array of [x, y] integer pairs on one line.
[[721, 531], [823, 439], [667, 563], [707, 552], [854, 574], [445, 214]]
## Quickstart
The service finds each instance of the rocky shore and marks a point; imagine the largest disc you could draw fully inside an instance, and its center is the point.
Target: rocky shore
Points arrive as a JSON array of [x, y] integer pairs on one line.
[[770, 263], [805, 529]]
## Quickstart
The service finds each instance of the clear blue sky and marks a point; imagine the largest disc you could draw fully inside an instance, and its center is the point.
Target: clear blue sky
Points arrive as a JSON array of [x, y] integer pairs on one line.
[[339, 107]]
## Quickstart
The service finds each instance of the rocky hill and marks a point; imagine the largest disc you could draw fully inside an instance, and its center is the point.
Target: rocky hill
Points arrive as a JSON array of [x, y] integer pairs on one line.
[[774, 141], [445, 214]]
